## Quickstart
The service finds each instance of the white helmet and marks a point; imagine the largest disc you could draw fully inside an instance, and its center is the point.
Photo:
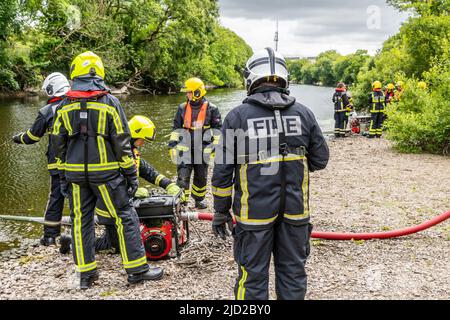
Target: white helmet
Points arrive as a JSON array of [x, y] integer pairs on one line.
[[56, 85], [266, 66]]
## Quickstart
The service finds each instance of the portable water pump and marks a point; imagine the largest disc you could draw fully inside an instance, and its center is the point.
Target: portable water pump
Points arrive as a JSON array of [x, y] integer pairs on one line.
[[162, 230]]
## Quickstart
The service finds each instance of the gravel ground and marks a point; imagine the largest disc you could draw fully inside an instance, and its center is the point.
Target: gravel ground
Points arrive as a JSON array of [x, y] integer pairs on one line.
[[366, 187]]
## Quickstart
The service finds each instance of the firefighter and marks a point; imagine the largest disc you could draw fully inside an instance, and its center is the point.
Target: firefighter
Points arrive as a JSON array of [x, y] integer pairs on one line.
[[398, 91], [389, 93], [196, 132], [142, 130], [342, 107], [55, 86], [377, 107], [269, 145], [422, 85], [96, 165]]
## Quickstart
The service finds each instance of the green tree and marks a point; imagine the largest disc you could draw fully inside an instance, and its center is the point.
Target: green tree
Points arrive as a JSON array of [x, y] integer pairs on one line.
[[421, 7], [8, 9], [148, 45]]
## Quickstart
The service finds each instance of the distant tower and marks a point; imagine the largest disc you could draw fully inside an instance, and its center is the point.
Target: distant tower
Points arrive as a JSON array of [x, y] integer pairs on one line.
[[276, 38]]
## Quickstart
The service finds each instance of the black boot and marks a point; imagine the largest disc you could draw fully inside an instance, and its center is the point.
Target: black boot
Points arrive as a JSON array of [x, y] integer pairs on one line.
[[65, 242], [86, 281], [154, 273], [48, 241], [200, 205]]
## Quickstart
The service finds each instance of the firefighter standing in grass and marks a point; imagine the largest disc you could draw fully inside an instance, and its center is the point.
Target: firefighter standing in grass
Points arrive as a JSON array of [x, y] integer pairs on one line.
[[377, 108], [398, 91], [269, 145], [196, 132], [92, 144], [55, 86]]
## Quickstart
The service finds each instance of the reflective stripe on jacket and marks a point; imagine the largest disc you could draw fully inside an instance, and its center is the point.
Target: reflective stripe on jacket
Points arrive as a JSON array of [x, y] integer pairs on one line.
[[43, 124], [251, 182], [377, 102], [341, 101], [108, 149]]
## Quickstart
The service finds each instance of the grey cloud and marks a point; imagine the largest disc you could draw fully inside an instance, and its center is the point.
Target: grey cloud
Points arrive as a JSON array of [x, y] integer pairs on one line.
[[292, 9], [320, 21]]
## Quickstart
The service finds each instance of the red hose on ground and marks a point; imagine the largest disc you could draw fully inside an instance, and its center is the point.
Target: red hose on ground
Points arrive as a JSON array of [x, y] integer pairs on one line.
[[363, 236]]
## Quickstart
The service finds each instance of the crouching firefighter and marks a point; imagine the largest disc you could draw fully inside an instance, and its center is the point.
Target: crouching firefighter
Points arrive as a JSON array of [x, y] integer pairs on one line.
[[196, 133], [55, 86], [377, 107], [92, 145], [342, 107], [269, 145], [142, 130]]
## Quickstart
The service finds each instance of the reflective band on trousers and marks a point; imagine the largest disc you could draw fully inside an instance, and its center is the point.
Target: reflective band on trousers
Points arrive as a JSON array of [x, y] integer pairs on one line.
[[77, 232], [112, 210], [241, 288], [120, 233], [222, 192], [103, 213]]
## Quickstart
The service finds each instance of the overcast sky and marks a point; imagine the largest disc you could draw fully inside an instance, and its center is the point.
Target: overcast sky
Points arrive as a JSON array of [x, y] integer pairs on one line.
[[307, 28]]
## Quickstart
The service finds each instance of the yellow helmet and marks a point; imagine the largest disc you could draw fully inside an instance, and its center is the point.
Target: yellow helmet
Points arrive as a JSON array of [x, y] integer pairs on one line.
[[422, 85], [390, 86], [87, 63], [196, 86], [376, 85], [400, 84], [142, 128]]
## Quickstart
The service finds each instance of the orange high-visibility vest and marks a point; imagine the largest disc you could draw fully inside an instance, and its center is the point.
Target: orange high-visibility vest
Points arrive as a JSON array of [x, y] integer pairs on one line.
[[200, 119]]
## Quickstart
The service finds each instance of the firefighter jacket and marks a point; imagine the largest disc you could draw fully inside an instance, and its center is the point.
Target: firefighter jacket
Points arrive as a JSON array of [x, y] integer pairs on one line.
[[196, 127], [398, 95], [269, 145], [389, 96], [43, 124], [377, 101], [91, 137], [342, 102], [147, 172]]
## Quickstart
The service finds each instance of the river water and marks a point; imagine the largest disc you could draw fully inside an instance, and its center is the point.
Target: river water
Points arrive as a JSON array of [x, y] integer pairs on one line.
[[24, 180]]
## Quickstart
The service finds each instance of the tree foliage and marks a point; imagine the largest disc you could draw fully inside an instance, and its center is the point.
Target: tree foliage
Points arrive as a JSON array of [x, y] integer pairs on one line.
[[146, 44], [329, 68]]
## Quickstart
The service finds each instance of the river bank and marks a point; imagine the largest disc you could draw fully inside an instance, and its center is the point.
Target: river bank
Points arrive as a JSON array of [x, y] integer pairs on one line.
[[367, 186]]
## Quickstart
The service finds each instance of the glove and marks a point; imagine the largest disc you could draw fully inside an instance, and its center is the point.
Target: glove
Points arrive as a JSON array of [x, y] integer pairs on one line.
[[142, 193], [172, 189], [17, 137], [219, 223], [63, 186], [173, 155], [133, 184]]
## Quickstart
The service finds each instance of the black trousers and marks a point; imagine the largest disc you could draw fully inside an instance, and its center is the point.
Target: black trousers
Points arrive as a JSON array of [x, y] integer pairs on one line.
[[340, 123], [54, 209], [200, 179], [108, 239], [290, 247], [376, 124], [83, 199]]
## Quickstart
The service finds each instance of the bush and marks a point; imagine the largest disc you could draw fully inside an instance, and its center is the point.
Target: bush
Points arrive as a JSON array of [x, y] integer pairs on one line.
[[421, 120]]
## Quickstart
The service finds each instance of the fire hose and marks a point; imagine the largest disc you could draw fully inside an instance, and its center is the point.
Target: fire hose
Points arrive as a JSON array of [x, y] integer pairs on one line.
[[348, 236], [206, 216]]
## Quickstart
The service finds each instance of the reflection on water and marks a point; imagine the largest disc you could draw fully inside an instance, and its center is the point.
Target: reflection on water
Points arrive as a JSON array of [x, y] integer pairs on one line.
[[24, 179]]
